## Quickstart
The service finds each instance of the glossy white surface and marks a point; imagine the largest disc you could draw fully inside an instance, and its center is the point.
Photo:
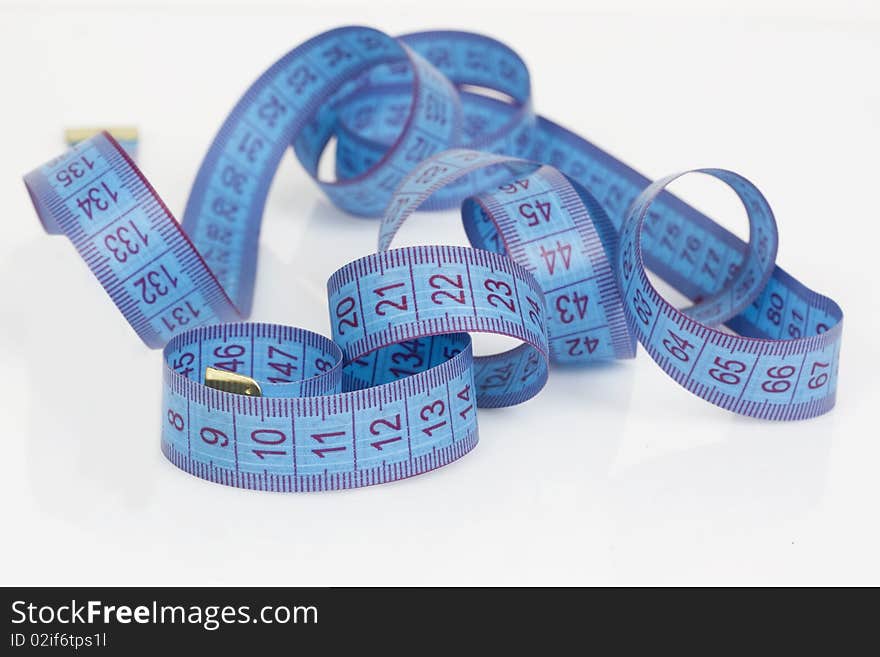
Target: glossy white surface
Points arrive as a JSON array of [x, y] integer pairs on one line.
[[612, 475]]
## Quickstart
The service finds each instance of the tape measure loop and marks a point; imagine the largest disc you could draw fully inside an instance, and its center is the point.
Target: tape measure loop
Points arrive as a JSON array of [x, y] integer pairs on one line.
[[557, 230], [309, 434], [395, 393], [745, 279], [406, 297], [760, 372]]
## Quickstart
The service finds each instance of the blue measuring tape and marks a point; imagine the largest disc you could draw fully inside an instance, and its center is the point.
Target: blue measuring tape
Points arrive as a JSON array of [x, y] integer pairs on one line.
[[564, 234]]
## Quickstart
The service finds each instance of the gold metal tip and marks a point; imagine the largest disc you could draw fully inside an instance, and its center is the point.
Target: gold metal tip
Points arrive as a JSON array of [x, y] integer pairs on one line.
[[121, 133], [238, 384]]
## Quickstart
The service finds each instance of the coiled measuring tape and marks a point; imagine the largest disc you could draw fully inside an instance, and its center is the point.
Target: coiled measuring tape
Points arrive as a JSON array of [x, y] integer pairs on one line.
[[564, 234]]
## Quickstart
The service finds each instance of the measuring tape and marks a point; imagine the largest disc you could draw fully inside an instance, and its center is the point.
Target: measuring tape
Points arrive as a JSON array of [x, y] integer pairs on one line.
[[563, 233]]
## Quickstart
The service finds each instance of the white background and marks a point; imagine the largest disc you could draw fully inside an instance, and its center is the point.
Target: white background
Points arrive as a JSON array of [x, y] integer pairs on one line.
[[612, 475]]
